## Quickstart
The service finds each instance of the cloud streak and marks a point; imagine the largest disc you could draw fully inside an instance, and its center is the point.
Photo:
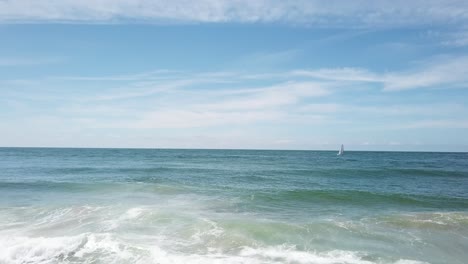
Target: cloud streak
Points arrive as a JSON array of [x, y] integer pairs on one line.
[[294, 109], [445, 72], [334, 13], [206, 108]]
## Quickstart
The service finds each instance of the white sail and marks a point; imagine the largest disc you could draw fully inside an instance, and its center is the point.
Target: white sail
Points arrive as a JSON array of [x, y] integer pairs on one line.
[[341, 150]]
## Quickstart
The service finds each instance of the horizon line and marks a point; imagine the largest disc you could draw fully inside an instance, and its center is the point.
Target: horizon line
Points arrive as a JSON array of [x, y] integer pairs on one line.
[[245, 149]]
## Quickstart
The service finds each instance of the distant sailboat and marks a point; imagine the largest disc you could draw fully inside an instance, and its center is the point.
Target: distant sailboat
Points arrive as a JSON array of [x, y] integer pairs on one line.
[[341, 150]]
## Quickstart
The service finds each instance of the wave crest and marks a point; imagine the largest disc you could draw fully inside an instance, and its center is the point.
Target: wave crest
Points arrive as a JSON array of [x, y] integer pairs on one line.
[[106, 248]]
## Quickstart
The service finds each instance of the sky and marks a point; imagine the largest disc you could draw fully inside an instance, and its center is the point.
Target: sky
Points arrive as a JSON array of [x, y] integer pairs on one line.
[[257, 74]]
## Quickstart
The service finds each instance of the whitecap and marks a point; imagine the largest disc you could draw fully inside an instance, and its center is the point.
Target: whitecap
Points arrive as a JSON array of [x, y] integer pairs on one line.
[[66, 249]]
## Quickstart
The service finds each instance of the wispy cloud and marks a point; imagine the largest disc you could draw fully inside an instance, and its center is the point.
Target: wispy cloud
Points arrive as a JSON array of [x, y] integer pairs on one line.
[[211, 108], [204, 109], [440, 72], [269, 97], [452, 38], [187, 102], [231, 90], [366, 13], [457, 39], [447, 72], [340, 74]]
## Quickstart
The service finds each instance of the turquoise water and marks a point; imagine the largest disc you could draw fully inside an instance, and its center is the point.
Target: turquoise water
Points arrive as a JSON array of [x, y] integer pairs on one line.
[[232, 206]]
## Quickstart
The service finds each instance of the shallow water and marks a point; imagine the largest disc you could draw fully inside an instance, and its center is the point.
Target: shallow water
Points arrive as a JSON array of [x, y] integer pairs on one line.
[[232, 206]]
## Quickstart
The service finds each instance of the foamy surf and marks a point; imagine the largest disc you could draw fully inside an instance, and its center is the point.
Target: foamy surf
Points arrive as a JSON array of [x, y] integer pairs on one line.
[[106, 248]]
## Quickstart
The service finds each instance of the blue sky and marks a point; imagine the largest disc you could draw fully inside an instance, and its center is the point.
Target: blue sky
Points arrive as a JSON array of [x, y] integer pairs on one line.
[[373, 75]]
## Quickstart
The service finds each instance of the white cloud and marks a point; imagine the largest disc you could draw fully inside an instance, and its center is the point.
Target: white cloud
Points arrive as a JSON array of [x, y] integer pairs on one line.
[[211, 108], [364, 13], [163, 99], [340, 74], [284, 94], [445, 72], [454, 38], [441, 72], [230, 90], [188, 109]]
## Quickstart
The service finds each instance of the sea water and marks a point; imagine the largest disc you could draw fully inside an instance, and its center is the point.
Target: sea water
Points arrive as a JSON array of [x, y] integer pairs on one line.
[[232, 206]]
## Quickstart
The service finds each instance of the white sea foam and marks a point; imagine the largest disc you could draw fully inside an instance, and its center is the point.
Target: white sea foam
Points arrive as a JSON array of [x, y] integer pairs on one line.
[[288, 255], [133, 213], [81, 248], [107, 248], [407, 261], [272, 255], [122, 234], [213, 230]]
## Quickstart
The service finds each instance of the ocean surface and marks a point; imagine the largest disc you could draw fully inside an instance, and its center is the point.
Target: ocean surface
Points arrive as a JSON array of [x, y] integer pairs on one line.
[[232, 206]]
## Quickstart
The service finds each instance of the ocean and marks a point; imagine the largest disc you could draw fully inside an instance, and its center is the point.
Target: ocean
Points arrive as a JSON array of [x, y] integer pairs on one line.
[[232, 206]]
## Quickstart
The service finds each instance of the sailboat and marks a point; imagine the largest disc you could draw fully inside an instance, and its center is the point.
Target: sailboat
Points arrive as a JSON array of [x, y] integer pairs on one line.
[[341, 151]]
